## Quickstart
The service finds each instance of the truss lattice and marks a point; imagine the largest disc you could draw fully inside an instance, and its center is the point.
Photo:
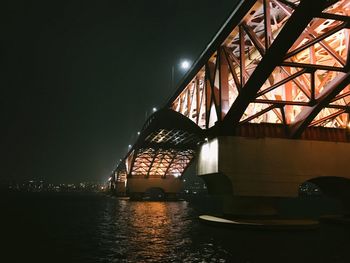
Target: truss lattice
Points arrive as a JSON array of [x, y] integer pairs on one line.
[[284, 62], [280, 63]]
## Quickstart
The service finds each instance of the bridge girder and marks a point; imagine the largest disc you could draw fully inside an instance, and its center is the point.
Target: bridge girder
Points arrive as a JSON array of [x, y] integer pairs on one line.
[[272, 62], [281, 63]]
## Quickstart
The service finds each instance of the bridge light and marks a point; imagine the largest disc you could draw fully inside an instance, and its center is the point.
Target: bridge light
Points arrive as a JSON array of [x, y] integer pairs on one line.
[[185, 64]]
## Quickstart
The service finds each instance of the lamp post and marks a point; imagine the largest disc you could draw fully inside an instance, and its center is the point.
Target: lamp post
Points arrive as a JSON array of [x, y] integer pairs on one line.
[[172, 77], [348, 127]]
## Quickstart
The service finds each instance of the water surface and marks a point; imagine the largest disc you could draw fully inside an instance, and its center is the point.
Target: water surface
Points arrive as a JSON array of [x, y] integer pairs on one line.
[[97, 228]]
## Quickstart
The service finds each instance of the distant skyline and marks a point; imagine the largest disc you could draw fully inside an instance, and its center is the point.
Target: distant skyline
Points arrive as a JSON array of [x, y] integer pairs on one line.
[[79, 78]]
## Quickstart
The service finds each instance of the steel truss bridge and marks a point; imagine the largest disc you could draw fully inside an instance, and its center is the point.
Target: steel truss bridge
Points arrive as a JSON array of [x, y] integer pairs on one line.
[[276, 68]]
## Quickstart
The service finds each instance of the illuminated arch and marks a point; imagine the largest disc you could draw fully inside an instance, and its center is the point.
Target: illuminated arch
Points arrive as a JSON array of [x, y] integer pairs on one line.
[[165, 148]]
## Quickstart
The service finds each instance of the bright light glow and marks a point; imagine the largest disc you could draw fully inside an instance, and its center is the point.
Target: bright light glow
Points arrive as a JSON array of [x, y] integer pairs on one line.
[[209, 150], [176, 175], [185, 64], [208, 158], [129, 146], [138, 133], [154, 109]]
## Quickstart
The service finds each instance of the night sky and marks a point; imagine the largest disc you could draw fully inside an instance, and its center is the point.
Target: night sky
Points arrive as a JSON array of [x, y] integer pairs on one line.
[[79, 77]]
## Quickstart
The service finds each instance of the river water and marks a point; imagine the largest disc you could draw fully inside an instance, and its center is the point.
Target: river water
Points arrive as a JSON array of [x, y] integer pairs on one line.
[[98, 228]]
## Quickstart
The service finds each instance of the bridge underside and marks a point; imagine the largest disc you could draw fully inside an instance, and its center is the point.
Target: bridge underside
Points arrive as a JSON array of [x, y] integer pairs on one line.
[[162, 153], [277, 70], [278, 73], [165, 153]]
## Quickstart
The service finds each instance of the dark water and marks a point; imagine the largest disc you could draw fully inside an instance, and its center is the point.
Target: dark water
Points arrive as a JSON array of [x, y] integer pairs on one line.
[[97, 228]]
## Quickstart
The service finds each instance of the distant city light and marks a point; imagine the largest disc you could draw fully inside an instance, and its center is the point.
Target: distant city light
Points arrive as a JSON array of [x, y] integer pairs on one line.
[[138, 133], [42, 186], [129, 146], [185, 64], [154, 109]]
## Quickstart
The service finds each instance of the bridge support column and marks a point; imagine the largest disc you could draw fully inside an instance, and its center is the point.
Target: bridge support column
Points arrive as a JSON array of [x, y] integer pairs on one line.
[[137, 188], [220, 185], [253, 174], [120, 189], [245, 206]]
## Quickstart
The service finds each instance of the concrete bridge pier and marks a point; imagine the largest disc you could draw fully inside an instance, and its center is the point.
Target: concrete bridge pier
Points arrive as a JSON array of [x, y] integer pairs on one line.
[[120, 189], [155, 188], [254, 174], [246, 206], [220, 186]]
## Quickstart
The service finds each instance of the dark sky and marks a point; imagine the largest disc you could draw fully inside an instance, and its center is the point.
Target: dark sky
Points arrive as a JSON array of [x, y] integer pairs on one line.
[[77, 78]]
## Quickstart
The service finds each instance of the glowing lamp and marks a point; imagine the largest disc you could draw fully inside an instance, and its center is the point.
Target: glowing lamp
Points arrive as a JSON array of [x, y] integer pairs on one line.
[[185, 64]]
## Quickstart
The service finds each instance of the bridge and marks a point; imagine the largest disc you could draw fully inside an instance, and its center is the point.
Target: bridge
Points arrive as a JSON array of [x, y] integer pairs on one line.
[[263, 109]]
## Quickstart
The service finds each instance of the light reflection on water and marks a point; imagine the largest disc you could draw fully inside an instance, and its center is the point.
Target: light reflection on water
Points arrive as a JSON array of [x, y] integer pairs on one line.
[[95, 228], [155, 232]]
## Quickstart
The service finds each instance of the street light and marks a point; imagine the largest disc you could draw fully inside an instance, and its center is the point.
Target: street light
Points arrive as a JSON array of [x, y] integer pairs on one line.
[[154, 109], [184, 64]]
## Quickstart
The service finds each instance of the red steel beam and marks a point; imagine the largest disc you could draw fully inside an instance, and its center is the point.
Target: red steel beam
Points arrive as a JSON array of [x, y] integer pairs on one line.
[[302, 16], [309, 113]]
